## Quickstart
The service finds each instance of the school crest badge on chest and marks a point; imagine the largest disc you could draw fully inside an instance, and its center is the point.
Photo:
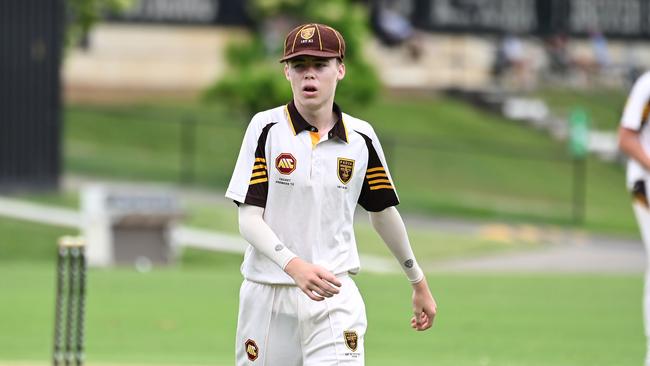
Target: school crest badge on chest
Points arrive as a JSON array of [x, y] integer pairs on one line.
[[345, 169]]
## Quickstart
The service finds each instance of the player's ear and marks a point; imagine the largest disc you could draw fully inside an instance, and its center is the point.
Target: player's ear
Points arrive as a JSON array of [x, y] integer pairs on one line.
[[286, 70], [341, 70]]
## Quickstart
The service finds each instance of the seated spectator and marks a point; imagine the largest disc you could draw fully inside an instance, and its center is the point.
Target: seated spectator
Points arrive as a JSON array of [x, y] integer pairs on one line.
[[600, 50], [394, 28], [511, 60], [558, 55]]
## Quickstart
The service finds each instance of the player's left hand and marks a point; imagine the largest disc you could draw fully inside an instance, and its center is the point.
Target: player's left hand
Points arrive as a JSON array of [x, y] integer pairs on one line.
[[424, 306]]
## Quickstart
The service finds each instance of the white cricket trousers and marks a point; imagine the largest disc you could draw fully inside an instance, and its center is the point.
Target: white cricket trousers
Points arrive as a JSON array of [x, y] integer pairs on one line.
[[278, 325], [642, 214]]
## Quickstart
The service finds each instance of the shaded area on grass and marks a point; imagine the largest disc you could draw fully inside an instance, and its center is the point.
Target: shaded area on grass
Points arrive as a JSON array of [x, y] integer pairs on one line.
[[446, 158]]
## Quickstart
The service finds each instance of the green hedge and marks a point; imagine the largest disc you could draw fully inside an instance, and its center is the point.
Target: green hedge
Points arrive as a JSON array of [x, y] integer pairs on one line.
[[255, 80]]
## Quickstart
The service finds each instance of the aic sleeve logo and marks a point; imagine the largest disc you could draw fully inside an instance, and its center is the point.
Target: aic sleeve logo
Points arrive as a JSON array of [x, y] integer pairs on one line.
[[285, 163]]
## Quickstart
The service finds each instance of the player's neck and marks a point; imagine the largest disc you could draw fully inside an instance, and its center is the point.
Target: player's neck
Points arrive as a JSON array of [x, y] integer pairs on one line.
[[322, 117]]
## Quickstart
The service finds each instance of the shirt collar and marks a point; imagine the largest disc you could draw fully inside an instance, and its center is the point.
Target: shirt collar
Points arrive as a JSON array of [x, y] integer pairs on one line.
[[299, 124]]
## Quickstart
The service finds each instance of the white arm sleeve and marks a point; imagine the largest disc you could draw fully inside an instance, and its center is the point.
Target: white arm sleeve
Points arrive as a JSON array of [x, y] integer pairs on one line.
[[257, 233], [389, 225]]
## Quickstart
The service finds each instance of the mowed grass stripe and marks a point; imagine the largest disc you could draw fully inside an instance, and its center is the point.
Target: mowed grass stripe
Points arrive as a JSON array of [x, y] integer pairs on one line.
[[183, 315]]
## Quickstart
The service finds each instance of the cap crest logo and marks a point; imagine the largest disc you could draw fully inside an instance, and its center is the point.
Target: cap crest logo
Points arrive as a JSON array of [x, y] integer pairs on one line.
[[252, 351], [285, 163], [307, 33], [351, 339], [345, 169]]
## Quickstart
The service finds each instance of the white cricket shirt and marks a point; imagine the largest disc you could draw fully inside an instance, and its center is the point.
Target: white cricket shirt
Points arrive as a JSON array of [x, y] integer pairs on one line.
[[635, 117], [309, 187]]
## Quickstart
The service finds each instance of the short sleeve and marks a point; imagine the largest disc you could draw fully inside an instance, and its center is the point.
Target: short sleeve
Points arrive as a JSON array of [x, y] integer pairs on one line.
[[637, 107], [378, 191], [249, 181]]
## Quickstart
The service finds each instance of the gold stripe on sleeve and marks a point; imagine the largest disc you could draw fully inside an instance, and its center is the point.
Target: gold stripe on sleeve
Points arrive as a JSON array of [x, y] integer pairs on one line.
[[260, 180], [377, 169], [374, 188], [378, 175], [259, 166], [379, 181], [260, 160], [263, 172]]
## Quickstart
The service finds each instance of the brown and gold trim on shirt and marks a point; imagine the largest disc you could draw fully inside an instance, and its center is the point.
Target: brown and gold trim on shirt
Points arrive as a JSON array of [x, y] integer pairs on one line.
[[258, 186], [378, 179], [377, 191], [639, 193], [298, 123], [645, 114], [259, 172]]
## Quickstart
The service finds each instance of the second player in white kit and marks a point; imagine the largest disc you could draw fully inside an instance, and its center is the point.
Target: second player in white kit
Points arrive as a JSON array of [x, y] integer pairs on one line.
[[301, 171], [634, 140]]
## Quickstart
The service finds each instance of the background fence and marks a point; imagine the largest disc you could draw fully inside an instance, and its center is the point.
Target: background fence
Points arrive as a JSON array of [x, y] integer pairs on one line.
[[620, 18], [434, 175]]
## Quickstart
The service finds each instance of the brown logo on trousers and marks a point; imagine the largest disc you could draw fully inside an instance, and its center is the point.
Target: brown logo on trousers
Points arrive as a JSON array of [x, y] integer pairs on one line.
[[351, 339], [252, 351]]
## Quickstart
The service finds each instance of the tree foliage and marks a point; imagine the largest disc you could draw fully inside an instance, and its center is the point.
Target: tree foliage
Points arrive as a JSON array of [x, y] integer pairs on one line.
[[81, 15], [255, 80]]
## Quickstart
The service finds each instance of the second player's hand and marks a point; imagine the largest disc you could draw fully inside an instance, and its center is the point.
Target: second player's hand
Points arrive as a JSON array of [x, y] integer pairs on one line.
[[424, 306], [315, 281]]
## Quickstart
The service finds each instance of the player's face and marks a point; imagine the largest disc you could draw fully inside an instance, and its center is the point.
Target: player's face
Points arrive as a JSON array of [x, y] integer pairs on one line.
[[313, 79]]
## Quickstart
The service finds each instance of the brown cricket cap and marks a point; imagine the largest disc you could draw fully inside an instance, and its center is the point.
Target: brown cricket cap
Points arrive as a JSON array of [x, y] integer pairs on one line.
[[313, 39]]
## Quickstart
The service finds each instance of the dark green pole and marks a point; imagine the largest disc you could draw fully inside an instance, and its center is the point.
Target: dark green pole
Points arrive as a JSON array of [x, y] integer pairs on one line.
[[579, 190]]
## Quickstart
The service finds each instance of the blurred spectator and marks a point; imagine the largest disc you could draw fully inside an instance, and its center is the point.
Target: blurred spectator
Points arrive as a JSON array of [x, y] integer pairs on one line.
[[558, 55], [596, 65], [511, 61], [393, 27], [581, 68], [600, 50]]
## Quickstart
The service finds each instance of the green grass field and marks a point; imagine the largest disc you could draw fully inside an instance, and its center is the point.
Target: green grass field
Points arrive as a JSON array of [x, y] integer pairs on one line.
[[446, 158], [186, 314]]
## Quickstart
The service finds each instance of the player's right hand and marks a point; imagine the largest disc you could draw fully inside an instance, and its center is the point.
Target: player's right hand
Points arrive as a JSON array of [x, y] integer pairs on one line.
[[315, 281]]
